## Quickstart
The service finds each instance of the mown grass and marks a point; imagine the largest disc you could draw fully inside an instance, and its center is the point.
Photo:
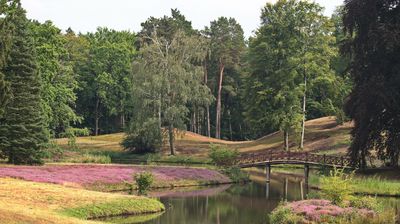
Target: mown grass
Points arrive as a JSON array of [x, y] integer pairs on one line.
[[118, 207]]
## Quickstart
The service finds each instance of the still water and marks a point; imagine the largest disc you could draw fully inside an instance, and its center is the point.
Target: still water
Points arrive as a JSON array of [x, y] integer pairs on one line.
[[234, 204]]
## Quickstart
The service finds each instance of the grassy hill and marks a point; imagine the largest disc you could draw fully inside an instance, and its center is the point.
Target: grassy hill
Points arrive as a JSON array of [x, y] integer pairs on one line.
[[323, 136]]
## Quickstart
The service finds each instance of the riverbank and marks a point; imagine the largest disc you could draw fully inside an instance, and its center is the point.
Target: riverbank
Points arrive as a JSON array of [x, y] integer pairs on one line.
[[109, 178], [31, 202], [378, 184]]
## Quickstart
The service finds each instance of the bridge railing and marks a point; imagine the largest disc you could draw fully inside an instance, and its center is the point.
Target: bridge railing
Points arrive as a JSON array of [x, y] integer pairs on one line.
[[252, 158]]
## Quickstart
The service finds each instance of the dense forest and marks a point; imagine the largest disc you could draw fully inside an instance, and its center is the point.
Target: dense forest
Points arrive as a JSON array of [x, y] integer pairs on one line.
[[169, 76]]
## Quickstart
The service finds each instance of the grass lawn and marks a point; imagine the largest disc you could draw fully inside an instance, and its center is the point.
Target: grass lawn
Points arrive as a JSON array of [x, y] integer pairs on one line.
[[323, 136], [378, 184], [30, 202]]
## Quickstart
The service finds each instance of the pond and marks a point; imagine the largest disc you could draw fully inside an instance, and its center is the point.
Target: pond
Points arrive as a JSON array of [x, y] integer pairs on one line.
[[238, 203]]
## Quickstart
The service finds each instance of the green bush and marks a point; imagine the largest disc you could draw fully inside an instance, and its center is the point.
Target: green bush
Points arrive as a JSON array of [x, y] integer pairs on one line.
[[337, 187], [236, 174], [365, 202], [283, 215], [222, 156], [72, 133], [144, 180], [90, 158], [144, 138]]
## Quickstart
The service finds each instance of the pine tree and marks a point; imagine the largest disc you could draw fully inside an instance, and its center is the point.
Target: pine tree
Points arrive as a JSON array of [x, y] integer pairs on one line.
[[22, 129]]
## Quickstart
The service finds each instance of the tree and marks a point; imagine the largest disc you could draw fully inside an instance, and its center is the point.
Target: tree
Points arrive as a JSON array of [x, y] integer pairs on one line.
[[227, 45], [165, 27], [58, 80], [103, 77], [22, 129], [373, 27], [290, 69], [7, 9], [165, 77]]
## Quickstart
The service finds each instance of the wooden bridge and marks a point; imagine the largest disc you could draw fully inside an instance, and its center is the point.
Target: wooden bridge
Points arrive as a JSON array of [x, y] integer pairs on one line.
[[268, 159]]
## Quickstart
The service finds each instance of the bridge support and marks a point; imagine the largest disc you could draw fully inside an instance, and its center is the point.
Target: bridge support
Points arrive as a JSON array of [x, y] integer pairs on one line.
[[267, 190], [285, 189], [268, 172], [306, 172]]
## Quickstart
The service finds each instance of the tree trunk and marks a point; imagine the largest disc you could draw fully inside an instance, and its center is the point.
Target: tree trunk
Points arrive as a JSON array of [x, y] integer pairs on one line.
[[122, 120], [230, 124], [194, 121], [303, 123], [171, 139], [208, 106], [97, 117], [218, 112], [286, 140], [159, 116]]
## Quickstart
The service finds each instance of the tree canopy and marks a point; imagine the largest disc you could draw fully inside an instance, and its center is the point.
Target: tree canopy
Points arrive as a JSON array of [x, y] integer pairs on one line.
[[374, 100]]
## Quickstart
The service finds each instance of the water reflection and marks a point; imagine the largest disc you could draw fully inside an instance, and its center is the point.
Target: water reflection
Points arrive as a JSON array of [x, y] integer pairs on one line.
[[246, 203]]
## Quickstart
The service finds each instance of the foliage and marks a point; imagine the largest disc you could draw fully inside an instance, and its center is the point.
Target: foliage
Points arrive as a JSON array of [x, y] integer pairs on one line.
[[144, 180], [337, 187], [165, 76], [284, 215], [236, 174], [90, 158], [7, 11], [373, 103], [367, 202], [144, 137], [289, 60], [57, 78], [72, 133], [23, 133], [223, 156], [226, 50], [103, 61]]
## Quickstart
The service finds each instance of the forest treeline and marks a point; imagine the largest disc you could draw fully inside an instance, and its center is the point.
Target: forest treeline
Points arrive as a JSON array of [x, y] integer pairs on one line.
[[170, 76]]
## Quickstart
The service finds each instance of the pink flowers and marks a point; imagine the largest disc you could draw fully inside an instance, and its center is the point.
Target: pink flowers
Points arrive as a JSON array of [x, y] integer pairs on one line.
[[91, 174], [314, 210]]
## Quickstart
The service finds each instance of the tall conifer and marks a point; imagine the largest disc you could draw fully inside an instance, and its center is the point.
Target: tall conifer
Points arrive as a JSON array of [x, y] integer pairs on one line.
[[22, 128]]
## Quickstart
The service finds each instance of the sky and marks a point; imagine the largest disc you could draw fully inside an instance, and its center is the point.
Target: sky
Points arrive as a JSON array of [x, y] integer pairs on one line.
[[86, 15]]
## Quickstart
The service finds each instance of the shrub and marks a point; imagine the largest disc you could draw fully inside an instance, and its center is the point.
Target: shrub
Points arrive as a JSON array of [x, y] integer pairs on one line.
[[72, 133], [222, 156], [337, 186], [365, 202], [144, 138], [90, 158], [236, 174], [144, 180]]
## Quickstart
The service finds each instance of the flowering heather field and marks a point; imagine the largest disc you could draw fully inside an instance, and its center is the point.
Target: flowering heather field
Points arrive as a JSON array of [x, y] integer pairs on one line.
[[313, 210], [84, 175]]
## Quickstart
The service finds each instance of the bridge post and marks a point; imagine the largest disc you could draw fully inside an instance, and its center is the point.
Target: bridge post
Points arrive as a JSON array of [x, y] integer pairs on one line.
[[306, 172], [301, 190], [268, 172], [285, 189], [267, 190]]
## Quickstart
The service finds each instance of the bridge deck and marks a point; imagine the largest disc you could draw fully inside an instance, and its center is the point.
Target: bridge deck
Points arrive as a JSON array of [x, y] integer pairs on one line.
[[298, 158]]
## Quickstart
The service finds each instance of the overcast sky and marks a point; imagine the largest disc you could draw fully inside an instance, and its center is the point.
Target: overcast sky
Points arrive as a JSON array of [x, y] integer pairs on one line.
[[86, 15]]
